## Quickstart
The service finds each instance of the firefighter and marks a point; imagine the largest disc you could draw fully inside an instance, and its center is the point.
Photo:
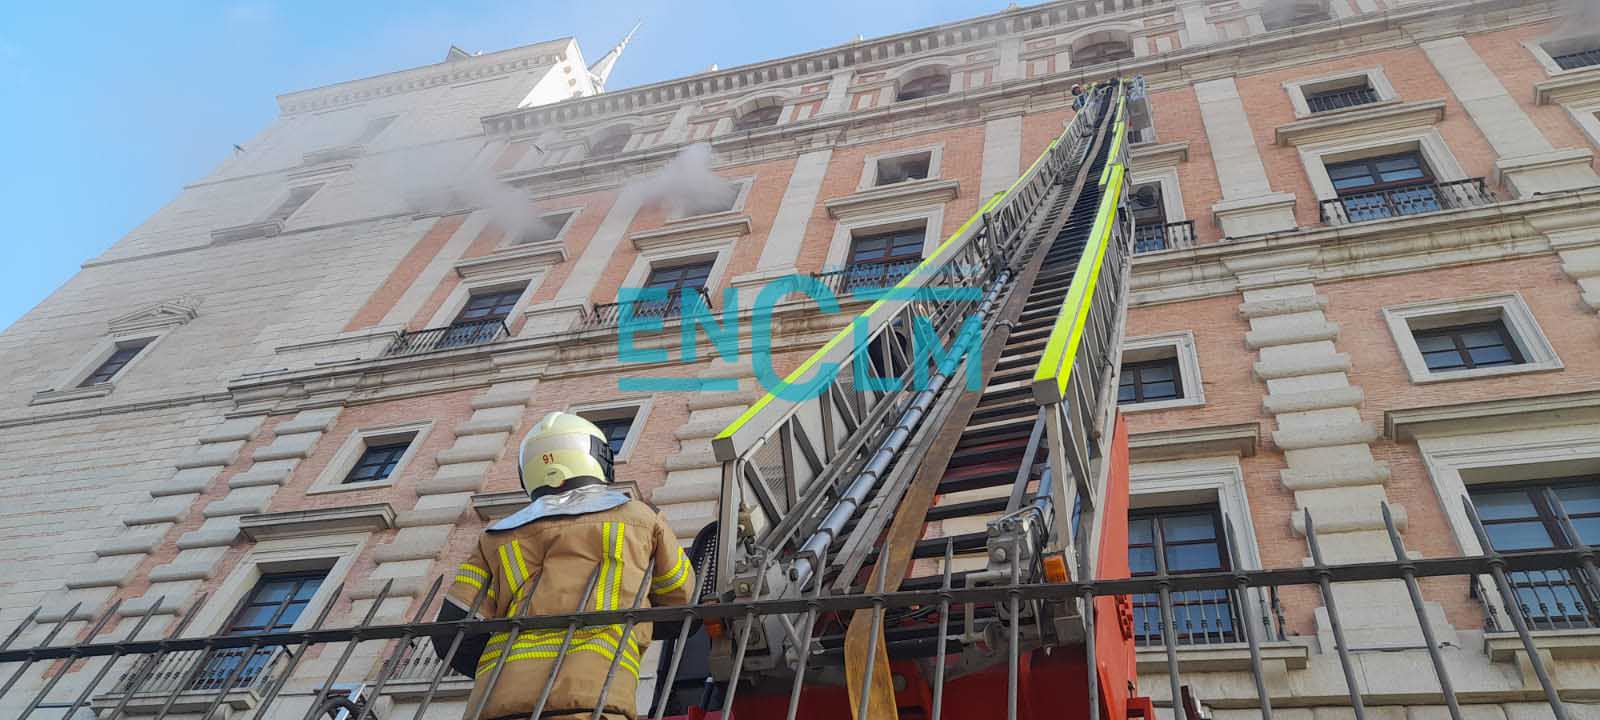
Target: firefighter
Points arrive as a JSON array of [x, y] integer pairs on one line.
[[540, 560]]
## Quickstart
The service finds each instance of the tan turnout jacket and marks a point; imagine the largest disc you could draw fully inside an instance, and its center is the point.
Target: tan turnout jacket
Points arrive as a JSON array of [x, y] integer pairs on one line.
[[552, 559]]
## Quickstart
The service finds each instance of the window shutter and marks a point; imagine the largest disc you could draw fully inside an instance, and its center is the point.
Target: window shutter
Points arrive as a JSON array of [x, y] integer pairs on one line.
[[297, 197]]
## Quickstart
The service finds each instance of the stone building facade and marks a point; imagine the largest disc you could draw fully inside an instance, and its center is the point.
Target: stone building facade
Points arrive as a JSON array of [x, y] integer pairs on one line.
[[1368, 271]]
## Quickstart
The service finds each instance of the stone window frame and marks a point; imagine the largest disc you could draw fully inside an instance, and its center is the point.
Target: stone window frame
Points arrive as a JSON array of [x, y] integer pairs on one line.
[[65, 386], [869, 168], [1455, 462], [742, 183], [1427, 142], [1509, 307], [1535, 46], [334, 553], [1587, 115], [560, 238], [1171, 190], [845, 231], [609, 409], [331, 479], [719, 250], [1154, 347], [447, 312], [1376, 78]]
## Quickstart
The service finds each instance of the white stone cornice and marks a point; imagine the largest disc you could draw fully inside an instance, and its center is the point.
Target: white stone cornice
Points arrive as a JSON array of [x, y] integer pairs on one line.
[[322, 521], [1241, 439], [1154, 155], [692, 230], [515, 261], [1362, 121], [477, 67], [164, 314], [890, 198], [1492, 415], [1577, 87]]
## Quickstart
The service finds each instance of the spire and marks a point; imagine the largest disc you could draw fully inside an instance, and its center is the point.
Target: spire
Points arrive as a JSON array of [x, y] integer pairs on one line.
[[601, 70]]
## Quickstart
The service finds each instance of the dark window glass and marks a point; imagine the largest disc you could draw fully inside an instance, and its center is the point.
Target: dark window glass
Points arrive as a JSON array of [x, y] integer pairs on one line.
[[677, 281], [114, 364], [610, 144], [1192, 540], [758, 118], [881, 259], [1340, 98], [273, 605], [1383, 187], [907, 167], [1462, 347], [1578, 59], [376, 462], [925, 86], [1527, 516], [1149, 218], [1150, 381], [615, 430], [489, 306]]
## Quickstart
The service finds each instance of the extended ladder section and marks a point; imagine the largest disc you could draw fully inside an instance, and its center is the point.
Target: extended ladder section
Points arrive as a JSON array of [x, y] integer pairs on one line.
[[959, 426]]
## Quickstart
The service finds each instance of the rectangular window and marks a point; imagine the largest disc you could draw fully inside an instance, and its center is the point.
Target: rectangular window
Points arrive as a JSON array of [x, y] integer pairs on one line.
[[904, 167], [1347, 94], [112, 365], [545, 228], [273, 605], [482, 319], [291, 204], [1464, 347], [376, 462], [705, 201], [1383, 187], [1575, 53], [880, 259], [1149, 218], [616, 431], [1150, 381], [1191, 540], [678, 282], [1542, 516]]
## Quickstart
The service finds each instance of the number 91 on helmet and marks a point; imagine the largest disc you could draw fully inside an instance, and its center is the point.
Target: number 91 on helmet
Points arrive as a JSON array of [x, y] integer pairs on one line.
[[562, 452]]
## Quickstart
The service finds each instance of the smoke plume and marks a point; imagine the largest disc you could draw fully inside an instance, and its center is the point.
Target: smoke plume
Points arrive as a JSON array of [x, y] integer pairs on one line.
[[685, 185], [440, 178]]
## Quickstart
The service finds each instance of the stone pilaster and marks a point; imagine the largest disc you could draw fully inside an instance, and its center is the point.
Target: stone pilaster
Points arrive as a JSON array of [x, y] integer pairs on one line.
[[694, 477]]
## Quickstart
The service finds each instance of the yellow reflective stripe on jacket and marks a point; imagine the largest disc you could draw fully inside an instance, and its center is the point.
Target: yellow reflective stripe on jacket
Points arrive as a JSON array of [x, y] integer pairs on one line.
[[674, 578], [477, 577], [516, 570], [609, 585], [547, 644]]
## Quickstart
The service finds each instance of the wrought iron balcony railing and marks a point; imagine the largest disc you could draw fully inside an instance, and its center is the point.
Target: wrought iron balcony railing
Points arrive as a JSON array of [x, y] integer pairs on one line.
[[867, 276], [203, 672], [1155, 238], [1341, 99], [609, 315], [1555, 599], [1407, 200], [449, 337], [1208, 617], [1580, 59]]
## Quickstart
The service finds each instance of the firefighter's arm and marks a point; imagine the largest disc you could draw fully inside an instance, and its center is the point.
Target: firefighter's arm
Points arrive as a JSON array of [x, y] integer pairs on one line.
[[471, 594], [673, 581]]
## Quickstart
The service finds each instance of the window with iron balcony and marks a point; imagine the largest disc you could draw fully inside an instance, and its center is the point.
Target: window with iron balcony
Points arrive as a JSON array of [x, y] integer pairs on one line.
[[1377, 188], [1186, 539], [1545, 515]]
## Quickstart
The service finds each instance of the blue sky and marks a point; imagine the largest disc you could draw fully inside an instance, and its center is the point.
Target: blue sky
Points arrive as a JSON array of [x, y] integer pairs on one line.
[[110, 108]]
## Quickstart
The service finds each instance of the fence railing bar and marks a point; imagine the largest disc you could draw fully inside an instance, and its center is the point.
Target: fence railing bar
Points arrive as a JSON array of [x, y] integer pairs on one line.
[[16, 632], [393, 664], [43, 643], [234, 672], [1497, 571], [744, 642], [1014, 630], [295, 656], [66, 663], [1092, 682], [944, 631], [1415, 591], [555, 664], [623, 640], [1337, 627], [803, 650], [144, 673], [1169, 635], [349, 649], [1246, 618], [672, 665], [456, 638], [872, 640]]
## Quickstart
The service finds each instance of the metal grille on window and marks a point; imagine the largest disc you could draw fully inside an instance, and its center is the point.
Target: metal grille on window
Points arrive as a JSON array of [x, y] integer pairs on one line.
[[1464, 347], [881, 259], [1543, 516], [1383, 187], [1192, 540]]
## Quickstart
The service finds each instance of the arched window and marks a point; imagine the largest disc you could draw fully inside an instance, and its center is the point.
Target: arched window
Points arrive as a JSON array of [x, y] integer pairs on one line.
[[925, 86], [1103, 51], [758, 118], [610, 143]]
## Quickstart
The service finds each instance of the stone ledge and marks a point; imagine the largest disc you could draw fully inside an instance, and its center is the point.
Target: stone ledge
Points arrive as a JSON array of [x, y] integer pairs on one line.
[[1309, 332], [414, 543], [288, 447], [1241, 439], [240, 502], [1352, 433], [1360, 122], [105, 572], [899, 196], [716, 226], [214, 454], [216, 532], [177, 570], [692, 460], [139, 541], [308, 421], [1336, 362], [235, 429], [1373, 473], [1313, 400], [324, 521], [1463, 418], [368, 588], [1222, 657], [462, 477], [251, 231], [495, 505], [168, 509], [187, 481], [1574, 644], [1348, 519], [1282, 306], [263, 473], [52, 395]]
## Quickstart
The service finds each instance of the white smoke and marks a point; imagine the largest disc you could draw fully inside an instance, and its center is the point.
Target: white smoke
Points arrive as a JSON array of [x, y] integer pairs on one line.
[[440, 178], [1578, 18], [685, 185]]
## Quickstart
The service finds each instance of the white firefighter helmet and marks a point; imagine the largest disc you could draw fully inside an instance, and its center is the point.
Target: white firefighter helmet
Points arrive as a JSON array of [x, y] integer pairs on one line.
[[560, 449]]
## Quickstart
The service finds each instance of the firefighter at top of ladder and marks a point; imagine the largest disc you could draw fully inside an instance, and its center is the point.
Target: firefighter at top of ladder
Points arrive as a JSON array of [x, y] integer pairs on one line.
[[541, 560]]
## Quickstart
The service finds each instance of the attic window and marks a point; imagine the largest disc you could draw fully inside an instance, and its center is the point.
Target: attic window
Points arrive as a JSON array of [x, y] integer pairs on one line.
[[901, 168], [758, 118], [610, 144], [925, 86]]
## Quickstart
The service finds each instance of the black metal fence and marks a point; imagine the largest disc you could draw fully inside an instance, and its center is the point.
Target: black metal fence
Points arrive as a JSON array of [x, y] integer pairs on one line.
[[198, 674], [1407, 200], [848, 281], [1580, 59], [609, 315], [449, 337], [1155, 238]]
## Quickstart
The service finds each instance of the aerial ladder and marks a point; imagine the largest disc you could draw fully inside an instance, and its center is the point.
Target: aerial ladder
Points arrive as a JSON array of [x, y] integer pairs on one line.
[[962, 433]]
